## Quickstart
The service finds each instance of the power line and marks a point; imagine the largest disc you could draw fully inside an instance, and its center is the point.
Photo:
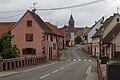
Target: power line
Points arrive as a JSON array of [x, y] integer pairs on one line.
[[11, 16], [59, 8], [12, 11], [74, 6]]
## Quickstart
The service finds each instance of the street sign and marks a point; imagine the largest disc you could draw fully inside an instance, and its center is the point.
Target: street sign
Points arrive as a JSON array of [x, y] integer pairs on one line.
[[46, 43]]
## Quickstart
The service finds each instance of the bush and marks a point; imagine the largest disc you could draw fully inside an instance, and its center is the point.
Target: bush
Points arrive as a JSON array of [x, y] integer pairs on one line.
[[6, 49], [78, 39]]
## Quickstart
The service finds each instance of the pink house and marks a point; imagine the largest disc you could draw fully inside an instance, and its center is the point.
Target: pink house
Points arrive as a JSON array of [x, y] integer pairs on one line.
[[33, 37]]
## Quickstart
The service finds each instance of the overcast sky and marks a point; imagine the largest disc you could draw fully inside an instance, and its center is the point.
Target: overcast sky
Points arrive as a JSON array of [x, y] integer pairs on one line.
[[85, 15]]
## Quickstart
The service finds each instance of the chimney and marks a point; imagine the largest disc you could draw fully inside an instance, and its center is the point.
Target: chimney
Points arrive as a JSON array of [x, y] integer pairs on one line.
[[95, 22], [33, 10], [103, 18]]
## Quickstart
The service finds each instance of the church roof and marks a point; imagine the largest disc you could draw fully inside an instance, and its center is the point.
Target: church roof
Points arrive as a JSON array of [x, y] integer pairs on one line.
[[71, 18]]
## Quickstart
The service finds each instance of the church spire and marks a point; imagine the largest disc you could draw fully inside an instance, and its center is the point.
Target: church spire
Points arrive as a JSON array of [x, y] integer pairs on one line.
[[71, 18], [71, 22]]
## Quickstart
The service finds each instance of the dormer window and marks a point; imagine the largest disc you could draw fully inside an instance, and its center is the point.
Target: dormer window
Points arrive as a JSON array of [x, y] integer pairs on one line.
[[29, 23]]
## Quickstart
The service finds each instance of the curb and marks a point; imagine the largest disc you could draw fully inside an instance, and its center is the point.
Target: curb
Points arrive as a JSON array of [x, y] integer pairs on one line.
[[5, 74]]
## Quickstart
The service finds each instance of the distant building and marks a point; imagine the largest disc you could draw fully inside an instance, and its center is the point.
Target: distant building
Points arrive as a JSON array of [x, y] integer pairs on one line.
[[6, 27], [70, 32]]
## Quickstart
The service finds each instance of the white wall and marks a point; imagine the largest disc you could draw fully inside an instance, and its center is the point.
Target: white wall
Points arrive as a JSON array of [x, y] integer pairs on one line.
[[93, 30], [116, 40], [110, 26]]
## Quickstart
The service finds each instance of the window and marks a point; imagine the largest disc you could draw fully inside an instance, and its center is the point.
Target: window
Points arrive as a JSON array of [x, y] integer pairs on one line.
[[29, 37], [51, 38], [117, 19], [85, 37], [29, 23], [47, 37], [29, 51], [54, 46], [43, 50]]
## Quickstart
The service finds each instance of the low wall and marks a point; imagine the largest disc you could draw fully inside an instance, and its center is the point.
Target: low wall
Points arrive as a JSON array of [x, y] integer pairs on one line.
[[8, 64], [101, 69]]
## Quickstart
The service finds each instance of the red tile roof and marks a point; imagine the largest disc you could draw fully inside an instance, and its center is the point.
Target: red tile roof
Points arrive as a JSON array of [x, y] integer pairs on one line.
[[6, 26], [39, 21], [54, 29]]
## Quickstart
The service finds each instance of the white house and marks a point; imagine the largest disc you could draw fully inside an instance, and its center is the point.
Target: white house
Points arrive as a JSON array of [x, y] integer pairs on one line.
[[91, 32]]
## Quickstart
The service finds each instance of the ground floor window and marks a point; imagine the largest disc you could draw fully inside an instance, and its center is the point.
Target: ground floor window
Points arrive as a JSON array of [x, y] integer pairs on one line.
[[29, 51]]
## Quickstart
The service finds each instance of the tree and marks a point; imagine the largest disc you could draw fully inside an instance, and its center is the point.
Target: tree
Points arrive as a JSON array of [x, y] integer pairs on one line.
[[78, 39], [7, 50]]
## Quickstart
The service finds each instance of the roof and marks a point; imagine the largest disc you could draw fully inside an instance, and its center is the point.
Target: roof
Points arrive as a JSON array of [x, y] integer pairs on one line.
[[78, 29], [107, 21], [54, 29], [112, 34], [65, 27], [96, 22], [6, 26], [39, 21], [71, 18]]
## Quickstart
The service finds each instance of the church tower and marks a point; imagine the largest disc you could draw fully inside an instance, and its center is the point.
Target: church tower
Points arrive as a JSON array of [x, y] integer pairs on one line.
[[71, 22]]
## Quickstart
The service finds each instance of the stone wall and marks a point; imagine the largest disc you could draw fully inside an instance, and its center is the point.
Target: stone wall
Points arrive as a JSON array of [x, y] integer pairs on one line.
[[14, 63]]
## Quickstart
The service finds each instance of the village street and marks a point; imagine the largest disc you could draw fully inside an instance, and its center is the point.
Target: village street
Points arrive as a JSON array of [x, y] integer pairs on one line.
[[74, 65]]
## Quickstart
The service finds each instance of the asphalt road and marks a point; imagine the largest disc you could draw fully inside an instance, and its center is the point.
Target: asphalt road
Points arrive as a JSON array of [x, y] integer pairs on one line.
[[74, 65]]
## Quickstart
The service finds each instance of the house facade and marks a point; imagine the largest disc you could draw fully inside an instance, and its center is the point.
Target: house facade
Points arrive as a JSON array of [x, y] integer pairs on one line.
[[111, 43], [102, 34], [87, 36], [58, 39], [33, 37], [70, 39]]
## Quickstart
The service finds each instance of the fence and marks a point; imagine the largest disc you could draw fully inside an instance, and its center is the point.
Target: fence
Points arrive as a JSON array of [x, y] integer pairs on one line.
[[8, 64]]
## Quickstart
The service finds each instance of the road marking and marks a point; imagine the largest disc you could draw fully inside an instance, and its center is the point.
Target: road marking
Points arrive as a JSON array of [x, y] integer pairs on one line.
[[55, 71], [75, 54], [90, 60], [84, 60], [69, 60], [38, 67], [66, 65], [62, 68], [45, 76], [70, 63], [74, 60], [79, 59], [88, 70]]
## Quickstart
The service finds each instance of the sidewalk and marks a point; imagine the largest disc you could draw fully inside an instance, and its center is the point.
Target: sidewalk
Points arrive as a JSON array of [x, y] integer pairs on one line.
[[7, 73], [92, 76]]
